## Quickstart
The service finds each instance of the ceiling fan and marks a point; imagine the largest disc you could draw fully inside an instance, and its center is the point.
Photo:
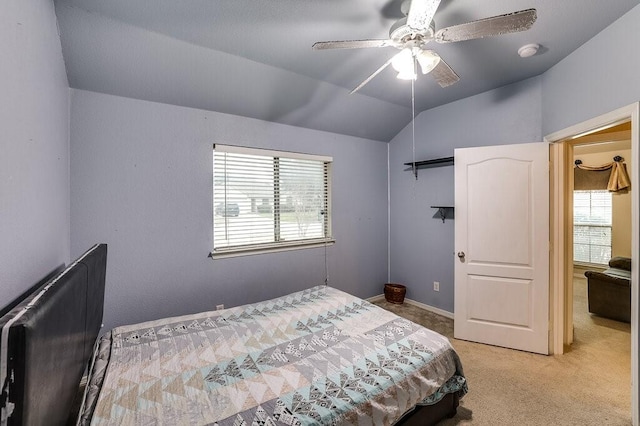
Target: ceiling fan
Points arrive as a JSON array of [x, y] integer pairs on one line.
[[412, 33]]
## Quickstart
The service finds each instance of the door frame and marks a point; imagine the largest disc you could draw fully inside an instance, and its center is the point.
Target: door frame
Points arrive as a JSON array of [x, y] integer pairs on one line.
[[561, 255]]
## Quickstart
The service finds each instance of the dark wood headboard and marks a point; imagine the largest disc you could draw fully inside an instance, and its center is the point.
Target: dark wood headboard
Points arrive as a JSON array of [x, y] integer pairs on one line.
[[46, 340]]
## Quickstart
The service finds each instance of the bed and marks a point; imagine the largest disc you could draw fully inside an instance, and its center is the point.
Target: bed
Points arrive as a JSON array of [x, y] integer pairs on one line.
[[318, 356]]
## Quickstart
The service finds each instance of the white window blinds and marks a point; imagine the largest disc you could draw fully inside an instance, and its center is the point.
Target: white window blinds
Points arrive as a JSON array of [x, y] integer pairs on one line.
[[592, 221], [266, 200]]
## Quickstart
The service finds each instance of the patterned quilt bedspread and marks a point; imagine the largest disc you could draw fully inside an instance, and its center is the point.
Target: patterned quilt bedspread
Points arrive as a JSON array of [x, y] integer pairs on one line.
[[319, 356]]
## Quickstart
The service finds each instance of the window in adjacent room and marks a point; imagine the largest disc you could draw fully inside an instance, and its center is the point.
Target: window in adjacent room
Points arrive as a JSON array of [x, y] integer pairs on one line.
[[269, 200], [592, 221]]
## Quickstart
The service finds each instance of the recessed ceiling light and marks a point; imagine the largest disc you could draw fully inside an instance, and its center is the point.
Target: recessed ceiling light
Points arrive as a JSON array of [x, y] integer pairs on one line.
[[528, 50]]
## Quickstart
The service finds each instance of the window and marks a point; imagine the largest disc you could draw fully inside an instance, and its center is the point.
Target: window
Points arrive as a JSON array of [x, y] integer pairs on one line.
[[592, 226], [269, 200]]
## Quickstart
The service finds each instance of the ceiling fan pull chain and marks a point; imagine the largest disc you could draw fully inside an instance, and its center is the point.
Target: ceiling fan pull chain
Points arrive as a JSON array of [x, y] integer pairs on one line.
[[413, 122]]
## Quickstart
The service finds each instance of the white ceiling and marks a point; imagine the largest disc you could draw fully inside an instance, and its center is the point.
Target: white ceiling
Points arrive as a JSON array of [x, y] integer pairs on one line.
[[254, 58]]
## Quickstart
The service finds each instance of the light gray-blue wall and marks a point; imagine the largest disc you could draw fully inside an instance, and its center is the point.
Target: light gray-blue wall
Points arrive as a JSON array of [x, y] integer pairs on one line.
[[600, 76], [141, 179], [422, 246], [130, 197], [34, 147]]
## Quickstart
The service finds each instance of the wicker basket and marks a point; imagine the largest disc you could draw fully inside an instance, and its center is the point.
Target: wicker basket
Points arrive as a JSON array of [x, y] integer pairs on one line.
[[394, 293]]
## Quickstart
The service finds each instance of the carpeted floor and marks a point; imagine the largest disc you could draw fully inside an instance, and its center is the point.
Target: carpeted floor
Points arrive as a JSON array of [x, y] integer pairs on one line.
[[589, 385]]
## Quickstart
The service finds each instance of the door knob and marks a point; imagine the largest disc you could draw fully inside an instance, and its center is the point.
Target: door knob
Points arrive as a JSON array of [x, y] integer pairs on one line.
[[461, 255]]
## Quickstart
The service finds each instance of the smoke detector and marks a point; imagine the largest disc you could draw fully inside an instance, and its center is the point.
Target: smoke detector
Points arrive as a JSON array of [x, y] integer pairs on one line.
[[528, 50]]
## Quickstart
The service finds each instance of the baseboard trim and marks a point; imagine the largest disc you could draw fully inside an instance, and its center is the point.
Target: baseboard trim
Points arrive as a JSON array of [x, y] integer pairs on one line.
[[430, 308], [424, 306]]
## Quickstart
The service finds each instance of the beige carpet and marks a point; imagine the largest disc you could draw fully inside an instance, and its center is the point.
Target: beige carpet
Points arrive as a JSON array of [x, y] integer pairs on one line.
[[589, 385]]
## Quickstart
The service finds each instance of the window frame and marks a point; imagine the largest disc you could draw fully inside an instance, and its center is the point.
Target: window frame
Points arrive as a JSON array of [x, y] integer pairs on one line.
[[275, 246], [592, 224]]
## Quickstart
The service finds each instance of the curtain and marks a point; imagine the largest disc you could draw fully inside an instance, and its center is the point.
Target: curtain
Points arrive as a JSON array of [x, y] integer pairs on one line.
[[612, 176]]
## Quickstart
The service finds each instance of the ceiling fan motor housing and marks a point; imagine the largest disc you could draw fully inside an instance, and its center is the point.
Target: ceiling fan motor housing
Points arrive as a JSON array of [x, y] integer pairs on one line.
[[400, 32]]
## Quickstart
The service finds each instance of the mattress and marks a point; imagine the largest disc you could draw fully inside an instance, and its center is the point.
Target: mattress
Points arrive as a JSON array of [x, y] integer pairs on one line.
[[318, 356]]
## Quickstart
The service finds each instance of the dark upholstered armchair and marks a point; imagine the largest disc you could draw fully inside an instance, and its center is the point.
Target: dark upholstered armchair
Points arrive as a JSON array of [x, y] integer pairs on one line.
[[609, 292]]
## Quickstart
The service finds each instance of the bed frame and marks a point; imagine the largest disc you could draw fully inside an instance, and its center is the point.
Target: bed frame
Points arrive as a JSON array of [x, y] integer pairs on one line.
[[47, 340], [429, 415], [47, 336]]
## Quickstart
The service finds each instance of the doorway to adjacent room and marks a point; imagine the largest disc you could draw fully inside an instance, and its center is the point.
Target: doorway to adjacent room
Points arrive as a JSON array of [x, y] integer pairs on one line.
[[564, 144]]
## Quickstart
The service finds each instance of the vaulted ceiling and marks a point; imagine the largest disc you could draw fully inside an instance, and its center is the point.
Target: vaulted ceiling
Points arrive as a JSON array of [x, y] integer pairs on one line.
[[254, 58]]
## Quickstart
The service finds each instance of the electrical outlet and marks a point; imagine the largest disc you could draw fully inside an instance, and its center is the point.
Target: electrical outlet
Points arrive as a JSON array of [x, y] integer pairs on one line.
[[436, 286], [219, 307]]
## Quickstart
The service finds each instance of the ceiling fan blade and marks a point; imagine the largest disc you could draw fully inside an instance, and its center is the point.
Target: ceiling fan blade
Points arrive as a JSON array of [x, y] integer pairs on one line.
[[421, 13], [444, 75], [378, 71], [352, 44], [497, 25]]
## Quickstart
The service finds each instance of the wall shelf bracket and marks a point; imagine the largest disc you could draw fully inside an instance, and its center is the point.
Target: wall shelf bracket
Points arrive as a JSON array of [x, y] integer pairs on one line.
[[444, 212]]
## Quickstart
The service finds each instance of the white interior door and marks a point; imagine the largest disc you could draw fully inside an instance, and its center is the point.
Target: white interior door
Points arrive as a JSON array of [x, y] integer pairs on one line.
[[502, 245]]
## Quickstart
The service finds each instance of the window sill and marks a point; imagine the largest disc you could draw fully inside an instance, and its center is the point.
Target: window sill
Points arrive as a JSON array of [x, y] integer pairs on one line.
[[263, 250], [587, 265]]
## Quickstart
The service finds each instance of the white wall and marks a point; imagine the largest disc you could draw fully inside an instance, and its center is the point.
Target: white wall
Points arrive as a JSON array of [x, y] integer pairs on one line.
[[34, 146], [141, 181]]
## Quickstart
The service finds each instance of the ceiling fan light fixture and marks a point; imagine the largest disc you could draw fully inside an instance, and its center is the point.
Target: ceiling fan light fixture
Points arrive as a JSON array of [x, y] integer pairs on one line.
[[428, 60], [406, 75], [403, 61], [404, 65]]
